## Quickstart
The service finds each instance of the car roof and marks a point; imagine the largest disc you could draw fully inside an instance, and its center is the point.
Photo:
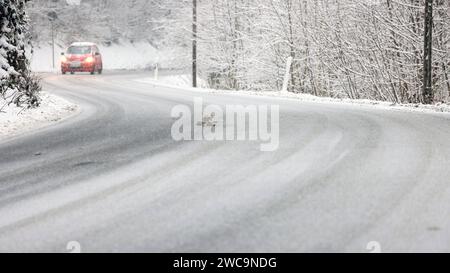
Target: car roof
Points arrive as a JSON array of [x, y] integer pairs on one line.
[[83, 44]]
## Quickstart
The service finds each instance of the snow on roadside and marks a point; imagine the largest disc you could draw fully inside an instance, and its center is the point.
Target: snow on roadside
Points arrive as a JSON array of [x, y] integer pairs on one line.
[[179, 81], [139, 55], [41, 59], [16, 120]]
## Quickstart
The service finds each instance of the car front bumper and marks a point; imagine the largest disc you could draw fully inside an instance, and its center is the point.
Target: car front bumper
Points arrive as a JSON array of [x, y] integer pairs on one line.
[[83, 67]]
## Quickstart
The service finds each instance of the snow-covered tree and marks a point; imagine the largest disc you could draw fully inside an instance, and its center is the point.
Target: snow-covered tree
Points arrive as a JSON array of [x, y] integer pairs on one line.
[[340, 48], [362, 49], [18, 85]]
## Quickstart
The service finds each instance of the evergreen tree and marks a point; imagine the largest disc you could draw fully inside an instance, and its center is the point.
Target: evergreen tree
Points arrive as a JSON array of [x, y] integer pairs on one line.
[[18, 85]]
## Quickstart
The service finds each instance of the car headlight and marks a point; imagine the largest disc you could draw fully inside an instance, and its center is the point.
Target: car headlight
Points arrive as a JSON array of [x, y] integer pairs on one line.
[[89, 59]]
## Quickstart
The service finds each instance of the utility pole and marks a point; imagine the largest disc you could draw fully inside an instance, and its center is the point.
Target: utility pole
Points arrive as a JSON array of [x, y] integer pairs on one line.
[[52, 16], [194, 43], [428, 95]]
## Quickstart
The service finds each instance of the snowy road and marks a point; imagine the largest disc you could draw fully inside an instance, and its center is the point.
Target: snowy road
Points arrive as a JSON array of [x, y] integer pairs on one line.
[[113, 179]]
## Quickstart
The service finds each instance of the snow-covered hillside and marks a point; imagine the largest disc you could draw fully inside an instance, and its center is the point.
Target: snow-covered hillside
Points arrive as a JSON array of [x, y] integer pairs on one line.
[[131, 34], [123, 55]]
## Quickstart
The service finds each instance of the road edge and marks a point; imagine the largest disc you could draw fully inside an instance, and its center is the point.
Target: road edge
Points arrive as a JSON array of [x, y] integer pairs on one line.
[[53, 111], [443, 109]]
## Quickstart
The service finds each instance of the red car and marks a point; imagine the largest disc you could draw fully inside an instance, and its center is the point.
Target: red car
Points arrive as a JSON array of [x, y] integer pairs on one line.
[[82, 57]]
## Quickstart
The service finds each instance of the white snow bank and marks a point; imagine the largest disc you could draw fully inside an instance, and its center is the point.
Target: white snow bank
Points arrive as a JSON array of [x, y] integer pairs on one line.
[[15, 120], [41, 60], [129, 56], [179, 81], [439, 107], [124, 55]]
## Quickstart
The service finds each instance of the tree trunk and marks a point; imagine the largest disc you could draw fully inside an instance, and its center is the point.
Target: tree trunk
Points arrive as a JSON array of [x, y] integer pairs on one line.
[[194, 43], [428, 96]]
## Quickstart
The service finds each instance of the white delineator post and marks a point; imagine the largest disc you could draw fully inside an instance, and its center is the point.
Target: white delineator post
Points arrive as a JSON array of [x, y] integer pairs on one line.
[[287, 75], [155, 72]]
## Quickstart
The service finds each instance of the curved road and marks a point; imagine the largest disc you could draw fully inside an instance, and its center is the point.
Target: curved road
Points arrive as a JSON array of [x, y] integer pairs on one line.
[[112, 178]]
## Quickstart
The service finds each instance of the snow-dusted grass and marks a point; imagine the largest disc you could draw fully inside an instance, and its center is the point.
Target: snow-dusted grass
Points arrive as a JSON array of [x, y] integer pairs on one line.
[[181, 81], [15, 120]]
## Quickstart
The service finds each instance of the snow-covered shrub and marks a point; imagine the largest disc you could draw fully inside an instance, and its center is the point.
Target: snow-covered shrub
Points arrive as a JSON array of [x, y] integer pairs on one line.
[[17, 84], [29, 88]]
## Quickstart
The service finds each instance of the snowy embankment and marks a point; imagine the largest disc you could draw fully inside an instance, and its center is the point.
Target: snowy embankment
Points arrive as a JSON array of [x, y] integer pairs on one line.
[[16, 120], [183, 81], [124, 55]]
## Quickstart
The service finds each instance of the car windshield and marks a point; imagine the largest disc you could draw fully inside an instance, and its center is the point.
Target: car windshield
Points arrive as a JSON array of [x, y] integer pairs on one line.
[[79, 50]]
